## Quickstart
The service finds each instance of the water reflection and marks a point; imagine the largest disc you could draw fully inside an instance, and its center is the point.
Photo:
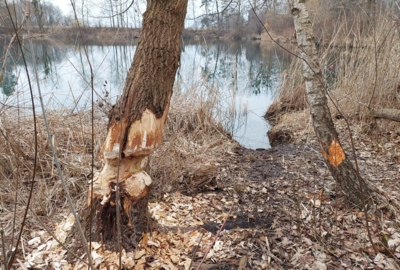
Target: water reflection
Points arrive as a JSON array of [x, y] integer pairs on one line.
[[244, 75], [8, 82], [8, 76]]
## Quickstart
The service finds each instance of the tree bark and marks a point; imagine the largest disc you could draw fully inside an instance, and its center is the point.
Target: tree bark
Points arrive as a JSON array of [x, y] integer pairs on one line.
[[390, 114], [338, 164], [136, 124]]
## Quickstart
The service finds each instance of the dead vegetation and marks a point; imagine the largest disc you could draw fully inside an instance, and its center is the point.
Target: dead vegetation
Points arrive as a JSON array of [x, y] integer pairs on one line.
[[287, 213], [194, 145], [362, 84], [292, 93], [361, 79]]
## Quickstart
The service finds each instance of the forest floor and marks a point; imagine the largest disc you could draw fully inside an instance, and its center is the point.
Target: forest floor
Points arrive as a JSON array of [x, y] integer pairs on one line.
[[281, 207]]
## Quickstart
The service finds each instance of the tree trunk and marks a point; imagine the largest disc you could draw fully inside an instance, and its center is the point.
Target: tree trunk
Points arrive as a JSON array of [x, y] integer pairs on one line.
[[390, 114], [136, 124], [339, 165]]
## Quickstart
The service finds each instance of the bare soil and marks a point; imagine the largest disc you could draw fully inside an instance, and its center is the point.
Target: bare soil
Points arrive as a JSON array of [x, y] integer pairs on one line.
[[296, 218], [288, 213]]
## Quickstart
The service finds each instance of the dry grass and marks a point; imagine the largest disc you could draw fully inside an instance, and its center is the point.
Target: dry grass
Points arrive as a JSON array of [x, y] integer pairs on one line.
[[364, 77], [292, 94], [291, 127], [368, 76], [72, 137], [194, 142]]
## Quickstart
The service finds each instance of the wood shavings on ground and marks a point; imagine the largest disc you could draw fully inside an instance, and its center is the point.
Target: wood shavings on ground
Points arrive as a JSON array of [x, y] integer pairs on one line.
[[288, 214]]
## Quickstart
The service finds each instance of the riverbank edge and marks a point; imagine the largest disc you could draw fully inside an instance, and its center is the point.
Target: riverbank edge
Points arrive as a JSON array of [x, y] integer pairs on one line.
[[108, 35]]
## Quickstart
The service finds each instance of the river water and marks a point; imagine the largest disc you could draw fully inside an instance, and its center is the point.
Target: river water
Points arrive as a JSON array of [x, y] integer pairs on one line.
[[244, 74]]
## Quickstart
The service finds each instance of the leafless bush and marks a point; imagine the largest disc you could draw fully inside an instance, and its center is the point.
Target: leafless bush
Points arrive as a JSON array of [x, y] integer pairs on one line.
[[280, 23]]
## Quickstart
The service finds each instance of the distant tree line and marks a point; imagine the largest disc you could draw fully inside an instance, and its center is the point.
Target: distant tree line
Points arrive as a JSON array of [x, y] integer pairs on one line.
[[42, 13], [236, 14], [211, 14]]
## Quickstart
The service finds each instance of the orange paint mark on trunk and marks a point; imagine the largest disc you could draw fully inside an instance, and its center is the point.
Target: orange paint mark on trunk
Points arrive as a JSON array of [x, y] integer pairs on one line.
[[336, 154]]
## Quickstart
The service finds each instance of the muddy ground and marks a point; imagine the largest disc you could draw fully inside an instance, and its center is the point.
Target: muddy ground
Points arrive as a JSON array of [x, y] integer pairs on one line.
[[282, 210], [296, 218]]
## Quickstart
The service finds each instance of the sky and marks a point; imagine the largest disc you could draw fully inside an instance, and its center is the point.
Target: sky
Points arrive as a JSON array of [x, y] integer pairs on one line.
[[194, 9], [64, 5]]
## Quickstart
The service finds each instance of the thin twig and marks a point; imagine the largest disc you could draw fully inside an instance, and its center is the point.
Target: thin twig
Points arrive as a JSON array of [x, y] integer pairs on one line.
[[376, 66], [212, 14], [215, 238], [118, 203], [116, 14], [3, 249], [12, 41], [92, 127], [33, 180], [56, 161]]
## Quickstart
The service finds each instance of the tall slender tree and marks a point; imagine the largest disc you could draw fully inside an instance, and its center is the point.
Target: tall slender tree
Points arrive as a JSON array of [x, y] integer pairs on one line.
[[343, 171]]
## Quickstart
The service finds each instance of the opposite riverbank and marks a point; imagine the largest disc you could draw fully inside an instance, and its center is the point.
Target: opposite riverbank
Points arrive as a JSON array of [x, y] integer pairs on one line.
[[108, 35]]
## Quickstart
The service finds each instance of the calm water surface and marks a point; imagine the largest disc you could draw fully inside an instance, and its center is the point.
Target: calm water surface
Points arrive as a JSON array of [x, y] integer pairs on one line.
[[243, 75]]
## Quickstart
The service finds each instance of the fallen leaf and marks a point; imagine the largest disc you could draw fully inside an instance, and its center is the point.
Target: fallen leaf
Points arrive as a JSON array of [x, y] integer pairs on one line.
[[188, 263], [139, 254], [174, 259], [320, 265]]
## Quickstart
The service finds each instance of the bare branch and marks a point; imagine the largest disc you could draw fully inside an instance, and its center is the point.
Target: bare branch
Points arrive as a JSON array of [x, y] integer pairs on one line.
[[212, 14], [35, 160]]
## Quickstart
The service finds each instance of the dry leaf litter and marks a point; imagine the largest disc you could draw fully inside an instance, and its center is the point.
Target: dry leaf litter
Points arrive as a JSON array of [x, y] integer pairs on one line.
[[288, 214]]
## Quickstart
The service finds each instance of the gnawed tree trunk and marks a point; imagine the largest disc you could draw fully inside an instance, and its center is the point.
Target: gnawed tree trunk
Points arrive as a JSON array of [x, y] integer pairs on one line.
[[339, 165], [136, 124]]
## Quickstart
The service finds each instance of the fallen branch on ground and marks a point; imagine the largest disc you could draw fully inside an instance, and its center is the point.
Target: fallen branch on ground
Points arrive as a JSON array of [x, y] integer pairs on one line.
[[390, 114], [215, 238]]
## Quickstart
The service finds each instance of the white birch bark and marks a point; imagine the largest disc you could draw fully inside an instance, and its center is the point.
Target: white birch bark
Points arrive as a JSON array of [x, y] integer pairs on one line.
[[339, 165]]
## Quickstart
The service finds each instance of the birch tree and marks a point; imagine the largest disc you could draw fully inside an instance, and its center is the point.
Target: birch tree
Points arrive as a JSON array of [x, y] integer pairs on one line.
[[343, 171]]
